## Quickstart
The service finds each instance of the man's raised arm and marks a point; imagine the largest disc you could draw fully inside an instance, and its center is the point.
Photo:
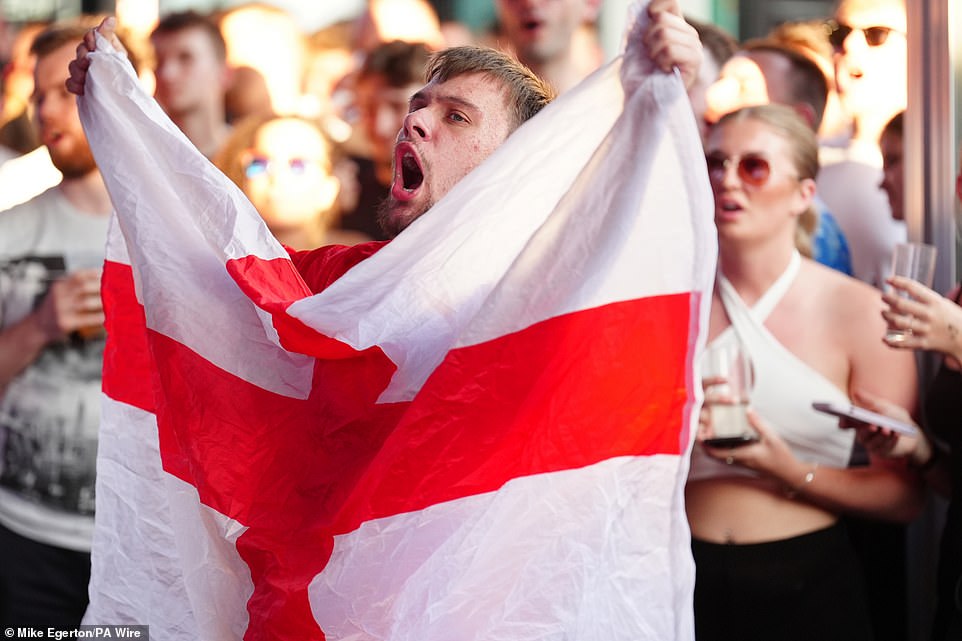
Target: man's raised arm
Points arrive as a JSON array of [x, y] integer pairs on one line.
[[671, 41], [78, 66]]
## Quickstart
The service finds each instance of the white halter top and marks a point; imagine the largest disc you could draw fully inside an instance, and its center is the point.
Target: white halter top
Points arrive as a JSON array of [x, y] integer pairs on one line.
[[785, 386]]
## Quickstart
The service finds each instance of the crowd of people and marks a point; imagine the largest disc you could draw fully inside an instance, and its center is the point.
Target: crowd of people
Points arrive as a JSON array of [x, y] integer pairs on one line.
[[335, 141]]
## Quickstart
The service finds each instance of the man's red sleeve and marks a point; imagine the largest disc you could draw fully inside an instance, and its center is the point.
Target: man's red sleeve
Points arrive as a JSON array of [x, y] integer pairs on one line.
[[322, 266]]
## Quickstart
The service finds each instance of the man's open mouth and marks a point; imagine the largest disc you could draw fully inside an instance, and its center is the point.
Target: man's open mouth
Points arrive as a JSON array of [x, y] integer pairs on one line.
[[531, 23], [411, 174]]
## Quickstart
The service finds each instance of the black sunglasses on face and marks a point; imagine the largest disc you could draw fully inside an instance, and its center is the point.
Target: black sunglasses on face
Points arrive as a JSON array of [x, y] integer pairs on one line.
[[752, 169], [874, 36]]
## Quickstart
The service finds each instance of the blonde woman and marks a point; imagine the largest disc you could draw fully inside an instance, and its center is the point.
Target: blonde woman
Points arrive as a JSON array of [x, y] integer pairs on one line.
[[772, 558], [285, 166]]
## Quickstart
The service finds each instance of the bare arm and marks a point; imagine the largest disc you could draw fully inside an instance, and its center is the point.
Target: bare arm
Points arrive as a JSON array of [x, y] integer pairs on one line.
[[72, 303], [20, 345], [918, 451], [885, 489], [876, 491]]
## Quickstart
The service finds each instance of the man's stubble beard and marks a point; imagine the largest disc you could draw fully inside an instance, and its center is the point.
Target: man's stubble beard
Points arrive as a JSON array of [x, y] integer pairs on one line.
[[394, 225]]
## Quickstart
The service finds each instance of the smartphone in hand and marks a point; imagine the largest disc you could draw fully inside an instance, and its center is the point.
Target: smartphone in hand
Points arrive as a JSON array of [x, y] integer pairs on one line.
[[869, 417]]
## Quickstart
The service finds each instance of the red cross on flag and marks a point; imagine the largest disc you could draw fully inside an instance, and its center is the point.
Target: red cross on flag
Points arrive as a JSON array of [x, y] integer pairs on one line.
[[479, 431]]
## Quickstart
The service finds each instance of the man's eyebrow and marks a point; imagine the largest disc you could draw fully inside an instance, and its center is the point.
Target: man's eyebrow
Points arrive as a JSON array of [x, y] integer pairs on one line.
[[458, 100], [422, 96]]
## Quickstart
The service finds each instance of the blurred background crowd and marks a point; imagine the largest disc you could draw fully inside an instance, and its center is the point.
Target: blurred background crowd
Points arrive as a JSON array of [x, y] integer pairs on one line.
[[347, 67]]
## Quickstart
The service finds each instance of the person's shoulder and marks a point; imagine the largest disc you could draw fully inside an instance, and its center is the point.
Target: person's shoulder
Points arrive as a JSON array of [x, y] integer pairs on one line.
[[29, 213], [25, 176], [851, 311], [22, 226], [839, 293], [322, 266], [35, 202]]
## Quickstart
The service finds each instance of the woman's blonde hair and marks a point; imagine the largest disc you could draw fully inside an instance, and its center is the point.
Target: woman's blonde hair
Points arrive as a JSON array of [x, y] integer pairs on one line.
[[803, 146]]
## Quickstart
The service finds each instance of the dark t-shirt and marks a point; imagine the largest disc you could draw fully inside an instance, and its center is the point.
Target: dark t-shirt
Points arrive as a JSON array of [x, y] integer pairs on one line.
[[943, 414]]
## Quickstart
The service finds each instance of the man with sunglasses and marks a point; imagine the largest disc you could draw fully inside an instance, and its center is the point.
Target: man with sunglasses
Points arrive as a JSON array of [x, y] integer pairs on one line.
[[871, 74], [869, 40], [871, 66]]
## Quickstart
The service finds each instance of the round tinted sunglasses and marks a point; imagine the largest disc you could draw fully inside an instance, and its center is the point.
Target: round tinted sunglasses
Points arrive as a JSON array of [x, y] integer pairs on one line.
[[752, 169], [261, 165], [874, 36]]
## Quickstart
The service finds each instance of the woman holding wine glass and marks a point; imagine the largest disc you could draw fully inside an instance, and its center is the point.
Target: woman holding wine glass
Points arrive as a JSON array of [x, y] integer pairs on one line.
[[772, 558], [934, 324]]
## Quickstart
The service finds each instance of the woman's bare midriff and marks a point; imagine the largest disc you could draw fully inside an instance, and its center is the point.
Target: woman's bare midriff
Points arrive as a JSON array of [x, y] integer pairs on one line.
[[743, 510]]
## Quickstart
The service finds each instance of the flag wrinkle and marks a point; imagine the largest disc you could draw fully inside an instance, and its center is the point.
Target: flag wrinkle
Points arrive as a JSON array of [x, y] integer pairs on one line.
[[482, 434], [464, 271]]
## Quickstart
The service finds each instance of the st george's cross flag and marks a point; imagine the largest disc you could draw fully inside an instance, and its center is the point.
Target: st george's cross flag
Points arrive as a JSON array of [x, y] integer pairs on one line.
[[478, 432]]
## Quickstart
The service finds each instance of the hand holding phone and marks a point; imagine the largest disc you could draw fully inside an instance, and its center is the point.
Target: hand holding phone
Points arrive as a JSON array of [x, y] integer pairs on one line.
[[868, 417]]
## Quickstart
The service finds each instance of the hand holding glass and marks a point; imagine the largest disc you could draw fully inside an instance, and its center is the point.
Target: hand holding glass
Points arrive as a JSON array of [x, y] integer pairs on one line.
[[915, 261], [727, 377]]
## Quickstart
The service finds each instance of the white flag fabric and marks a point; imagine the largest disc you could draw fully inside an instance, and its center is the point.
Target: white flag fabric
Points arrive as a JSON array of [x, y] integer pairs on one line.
[[478, 432]]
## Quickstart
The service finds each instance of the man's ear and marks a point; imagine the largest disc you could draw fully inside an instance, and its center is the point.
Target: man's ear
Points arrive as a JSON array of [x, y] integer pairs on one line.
[[227, 77]]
